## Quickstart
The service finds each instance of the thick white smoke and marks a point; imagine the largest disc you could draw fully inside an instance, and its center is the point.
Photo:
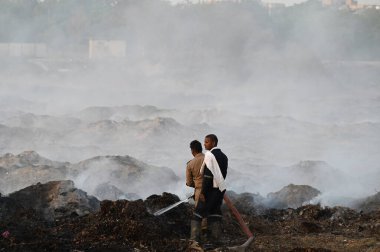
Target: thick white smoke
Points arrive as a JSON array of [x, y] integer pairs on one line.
[[277, 88]]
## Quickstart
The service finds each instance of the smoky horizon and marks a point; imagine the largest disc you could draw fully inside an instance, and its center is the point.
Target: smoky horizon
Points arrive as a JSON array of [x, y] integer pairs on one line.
[[291, 92]]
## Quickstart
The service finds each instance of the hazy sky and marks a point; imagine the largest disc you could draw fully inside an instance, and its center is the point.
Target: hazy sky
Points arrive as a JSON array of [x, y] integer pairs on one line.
[[286, 2]]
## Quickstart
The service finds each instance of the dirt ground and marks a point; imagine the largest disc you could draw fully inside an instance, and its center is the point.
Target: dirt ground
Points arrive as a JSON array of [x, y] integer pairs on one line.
[[130, 226]]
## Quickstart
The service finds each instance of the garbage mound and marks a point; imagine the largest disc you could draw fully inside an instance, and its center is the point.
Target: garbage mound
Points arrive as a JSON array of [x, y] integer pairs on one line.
[[125, 225], [128, 225], [107, 191], [26, 158], [292, 196], [56, 199], [18, 224], [28, 168], [105, 177], [369, 204], [247, 203], [124, 173]]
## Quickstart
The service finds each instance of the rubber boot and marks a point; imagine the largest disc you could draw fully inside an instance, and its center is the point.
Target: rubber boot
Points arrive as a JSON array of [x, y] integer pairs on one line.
[[213, 235], [215, 231], [204, 230], [195, 234]]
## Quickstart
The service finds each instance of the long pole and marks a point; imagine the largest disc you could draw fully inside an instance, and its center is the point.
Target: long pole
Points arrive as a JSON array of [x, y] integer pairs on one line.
[[242, 224]]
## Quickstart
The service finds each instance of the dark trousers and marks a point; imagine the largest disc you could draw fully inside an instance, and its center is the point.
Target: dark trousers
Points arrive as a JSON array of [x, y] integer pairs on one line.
[[211, 207]]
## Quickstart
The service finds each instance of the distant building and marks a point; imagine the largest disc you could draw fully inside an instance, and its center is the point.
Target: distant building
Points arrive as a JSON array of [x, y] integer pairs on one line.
[[333, 2], [273, 4], [368, 4], [38, 50], [353, 4], [214, 1], [102, 49], [281, 3]]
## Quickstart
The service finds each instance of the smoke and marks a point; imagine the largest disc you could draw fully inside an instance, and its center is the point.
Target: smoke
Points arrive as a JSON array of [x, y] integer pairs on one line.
[[279, 87], [100, 173]]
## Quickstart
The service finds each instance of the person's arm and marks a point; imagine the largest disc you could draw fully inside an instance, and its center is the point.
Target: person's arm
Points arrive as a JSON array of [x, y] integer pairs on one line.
[[189, 176]]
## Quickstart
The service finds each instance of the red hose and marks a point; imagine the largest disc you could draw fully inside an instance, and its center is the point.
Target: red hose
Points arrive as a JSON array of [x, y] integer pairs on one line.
[[237, 215]]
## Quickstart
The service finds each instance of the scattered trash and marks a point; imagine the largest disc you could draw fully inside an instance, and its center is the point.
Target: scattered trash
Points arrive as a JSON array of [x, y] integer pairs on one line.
[[125, 225], [6, 234]]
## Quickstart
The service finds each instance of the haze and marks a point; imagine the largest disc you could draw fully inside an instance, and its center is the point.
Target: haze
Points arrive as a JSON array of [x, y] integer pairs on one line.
[[297, 84]]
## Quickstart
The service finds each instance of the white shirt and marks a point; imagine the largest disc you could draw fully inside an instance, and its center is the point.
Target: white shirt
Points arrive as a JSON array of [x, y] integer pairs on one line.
[[213, 166]]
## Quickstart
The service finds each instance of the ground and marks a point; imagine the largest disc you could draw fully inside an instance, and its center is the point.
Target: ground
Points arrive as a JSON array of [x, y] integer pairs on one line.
[[130, 226]]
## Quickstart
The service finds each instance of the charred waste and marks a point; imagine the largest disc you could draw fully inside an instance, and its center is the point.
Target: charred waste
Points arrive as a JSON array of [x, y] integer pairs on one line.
[[58, 217]]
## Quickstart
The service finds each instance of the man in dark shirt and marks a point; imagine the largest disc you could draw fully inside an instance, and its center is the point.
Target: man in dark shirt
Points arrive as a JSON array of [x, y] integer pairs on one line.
[[214, 170]]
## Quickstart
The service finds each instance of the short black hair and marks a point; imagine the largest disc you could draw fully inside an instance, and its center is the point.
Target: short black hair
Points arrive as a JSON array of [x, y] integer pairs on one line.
[[196, 146], [213, 138]]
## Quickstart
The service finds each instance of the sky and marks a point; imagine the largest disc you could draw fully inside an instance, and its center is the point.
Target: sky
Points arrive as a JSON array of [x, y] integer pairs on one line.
[[286, 2]]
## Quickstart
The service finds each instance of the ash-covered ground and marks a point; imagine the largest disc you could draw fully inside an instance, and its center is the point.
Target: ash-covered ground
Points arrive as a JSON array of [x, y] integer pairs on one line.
[[58, 217]]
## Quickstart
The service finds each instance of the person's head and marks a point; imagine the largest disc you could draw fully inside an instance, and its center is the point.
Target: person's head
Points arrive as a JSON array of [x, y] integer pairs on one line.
[[211, 141], [196, 147]]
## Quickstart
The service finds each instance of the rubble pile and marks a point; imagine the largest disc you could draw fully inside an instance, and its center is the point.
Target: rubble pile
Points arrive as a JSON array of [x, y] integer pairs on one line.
[[28, 168], [107, 191], [368, 204], [19, 225], [118, 225], [317, 228], [56, 199], [105, 177], [126, 225], [292, 196]]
